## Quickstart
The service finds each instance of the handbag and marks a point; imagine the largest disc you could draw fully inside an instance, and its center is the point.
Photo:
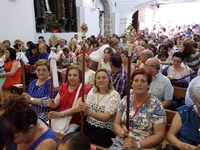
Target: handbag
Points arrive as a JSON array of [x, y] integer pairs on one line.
[[61, 125], [169, 147]]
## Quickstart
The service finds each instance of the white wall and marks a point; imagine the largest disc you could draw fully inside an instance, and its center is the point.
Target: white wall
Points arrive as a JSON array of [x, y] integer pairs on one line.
[[16, 20], [177, 14]]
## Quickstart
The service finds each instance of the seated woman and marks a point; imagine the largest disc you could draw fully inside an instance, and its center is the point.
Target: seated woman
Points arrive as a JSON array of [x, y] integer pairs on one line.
[[66, 96], [12, 70], [6, 134], [89, 74], [124, 56], [147, 116], [100, 107], [184, 132], [32, 56], [67, 59], [104, 63], [176, 71], [74, 141], [31, 133], [39, 89]]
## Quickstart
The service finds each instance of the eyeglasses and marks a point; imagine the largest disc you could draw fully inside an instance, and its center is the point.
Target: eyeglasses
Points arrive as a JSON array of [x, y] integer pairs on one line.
[[43, 70]]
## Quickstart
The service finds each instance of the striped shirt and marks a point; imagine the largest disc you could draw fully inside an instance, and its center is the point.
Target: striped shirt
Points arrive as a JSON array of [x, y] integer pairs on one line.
[[42, 92], [120, 81]]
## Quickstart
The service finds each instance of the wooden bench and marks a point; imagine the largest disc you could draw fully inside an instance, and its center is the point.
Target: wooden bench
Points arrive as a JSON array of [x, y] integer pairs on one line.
[[179, 92], [170, 115], [60, 136]]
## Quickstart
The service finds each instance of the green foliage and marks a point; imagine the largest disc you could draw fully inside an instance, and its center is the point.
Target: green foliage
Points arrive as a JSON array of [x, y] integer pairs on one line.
[[56, 24]]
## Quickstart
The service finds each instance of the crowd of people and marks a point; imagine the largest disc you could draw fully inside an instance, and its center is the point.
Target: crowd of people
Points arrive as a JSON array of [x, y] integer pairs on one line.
[[158, 63]]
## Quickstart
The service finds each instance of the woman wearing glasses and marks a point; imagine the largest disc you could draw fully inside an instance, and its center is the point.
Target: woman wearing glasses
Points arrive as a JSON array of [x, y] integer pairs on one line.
[[39, 89]]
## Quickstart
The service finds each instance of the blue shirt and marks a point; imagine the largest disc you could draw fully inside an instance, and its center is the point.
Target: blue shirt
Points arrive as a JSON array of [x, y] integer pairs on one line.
[[188, 100], [189, 131], [44, 56], [49, 134], [32, 59], [42, 92]]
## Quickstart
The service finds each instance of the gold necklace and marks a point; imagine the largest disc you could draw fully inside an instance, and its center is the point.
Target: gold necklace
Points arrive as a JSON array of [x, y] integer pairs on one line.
[[98, 101]]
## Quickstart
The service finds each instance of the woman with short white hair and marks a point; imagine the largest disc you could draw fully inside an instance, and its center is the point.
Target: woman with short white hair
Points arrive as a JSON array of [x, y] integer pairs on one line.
[[184, 132]]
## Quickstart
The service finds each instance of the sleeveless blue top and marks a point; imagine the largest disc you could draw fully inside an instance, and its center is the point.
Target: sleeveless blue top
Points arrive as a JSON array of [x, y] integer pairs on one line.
[[49, 134], [189, 131]]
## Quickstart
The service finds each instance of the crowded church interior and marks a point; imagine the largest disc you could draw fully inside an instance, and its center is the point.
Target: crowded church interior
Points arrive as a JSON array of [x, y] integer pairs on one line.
[[99, 75]]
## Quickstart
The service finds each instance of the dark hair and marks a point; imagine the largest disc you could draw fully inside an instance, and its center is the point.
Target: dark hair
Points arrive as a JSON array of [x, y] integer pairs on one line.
[[19, 113], [116, 60], [125, 52], [76, 67], [162, 53], [195, 45], [188, 49], [110, 50], [76, 141], [163, 46], [151, 46], [12, 54], [143, 72], [7, 134], [41, 37], [18, 47], [169, 44], [66, 49], [179, 55], [29, 43]]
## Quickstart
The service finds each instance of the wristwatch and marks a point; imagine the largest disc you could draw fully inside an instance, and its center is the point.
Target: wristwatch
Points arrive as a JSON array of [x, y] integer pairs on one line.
[[138, 145], [31, 100], [62, 114]]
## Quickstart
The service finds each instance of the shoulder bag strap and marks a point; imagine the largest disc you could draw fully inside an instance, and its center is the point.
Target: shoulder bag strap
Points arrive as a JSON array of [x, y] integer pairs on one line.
[[77, 93]]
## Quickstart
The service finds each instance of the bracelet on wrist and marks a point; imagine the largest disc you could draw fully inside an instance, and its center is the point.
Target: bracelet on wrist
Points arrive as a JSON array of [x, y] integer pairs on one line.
[[93, 114], [138, 145]]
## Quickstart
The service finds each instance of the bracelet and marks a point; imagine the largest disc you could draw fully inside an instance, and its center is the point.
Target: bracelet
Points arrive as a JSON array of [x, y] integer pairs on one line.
[[93, 114], [138, 145]]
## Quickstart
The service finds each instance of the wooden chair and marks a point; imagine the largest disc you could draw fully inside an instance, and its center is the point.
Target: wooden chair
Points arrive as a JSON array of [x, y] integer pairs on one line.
[[179, 92], [170, 115]]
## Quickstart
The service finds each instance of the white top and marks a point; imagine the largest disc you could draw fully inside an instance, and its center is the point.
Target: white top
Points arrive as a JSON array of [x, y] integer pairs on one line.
[[61, 48], [101, 103], [88, 74], [99, 54], [21, 56], [105, 65]]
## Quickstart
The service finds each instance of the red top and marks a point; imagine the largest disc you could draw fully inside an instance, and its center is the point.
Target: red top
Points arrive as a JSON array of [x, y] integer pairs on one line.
[[10, 80], [67, 99]]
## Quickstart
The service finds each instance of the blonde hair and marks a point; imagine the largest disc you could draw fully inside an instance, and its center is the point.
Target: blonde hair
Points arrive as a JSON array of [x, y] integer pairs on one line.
[[2, 48], [110, 84], [87, 59], [42, 62]]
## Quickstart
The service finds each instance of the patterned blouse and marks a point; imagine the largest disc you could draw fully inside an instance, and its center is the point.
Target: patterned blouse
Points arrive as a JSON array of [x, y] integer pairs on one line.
[[42, 92], [150, 113], [100, 103]]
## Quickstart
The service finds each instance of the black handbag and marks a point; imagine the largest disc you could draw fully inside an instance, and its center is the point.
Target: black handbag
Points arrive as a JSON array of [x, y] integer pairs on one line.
[[169, 147]]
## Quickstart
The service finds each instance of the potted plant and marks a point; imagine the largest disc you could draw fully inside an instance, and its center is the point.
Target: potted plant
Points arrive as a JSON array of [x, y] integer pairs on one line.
[[42, 27], [55, 26]]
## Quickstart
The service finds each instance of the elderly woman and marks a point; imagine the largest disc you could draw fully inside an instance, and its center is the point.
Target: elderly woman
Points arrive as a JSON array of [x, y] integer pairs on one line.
[[31, 133], [147, 116], [100, 107], [66, 96], [184, 132], [39, 89]]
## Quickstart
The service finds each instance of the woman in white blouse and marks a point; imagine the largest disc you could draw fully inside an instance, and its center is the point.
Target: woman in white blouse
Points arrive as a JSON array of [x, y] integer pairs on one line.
[[100, 107]]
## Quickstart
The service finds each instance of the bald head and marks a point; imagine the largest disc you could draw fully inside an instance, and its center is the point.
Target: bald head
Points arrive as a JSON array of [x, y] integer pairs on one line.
[[146, 54], [154, 62], [42, 48]]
